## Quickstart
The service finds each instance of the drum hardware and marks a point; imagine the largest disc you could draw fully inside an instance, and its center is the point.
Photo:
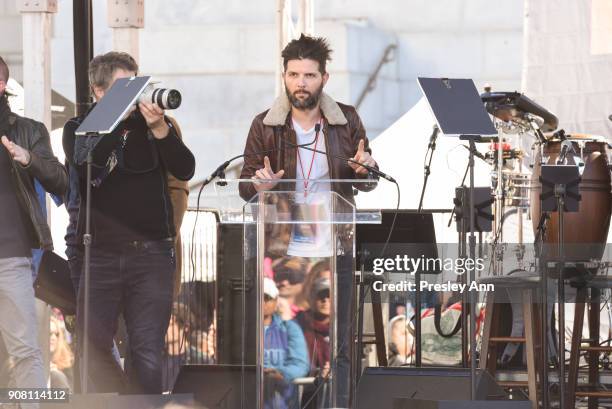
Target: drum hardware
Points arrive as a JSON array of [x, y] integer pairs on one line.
[[566, 149], [559, 194], [512, 192], [591, 156], [594, 212], [519, 252], [508, 154], [514, 106], [515, 188], [512, 127]]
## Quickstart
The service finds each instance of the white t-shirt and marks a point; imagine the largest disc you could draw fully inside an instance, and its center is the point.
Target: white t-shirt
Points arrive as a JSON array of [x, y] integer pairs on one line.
[[320, 167], [311, 239]]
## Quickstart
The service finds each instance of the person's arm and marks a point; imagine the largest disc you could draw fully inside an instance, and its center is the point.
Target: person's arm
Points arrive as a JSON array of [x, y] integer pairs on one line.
[[44, 166], [251, 162], [177, 158], [68, 140], [296, 365]]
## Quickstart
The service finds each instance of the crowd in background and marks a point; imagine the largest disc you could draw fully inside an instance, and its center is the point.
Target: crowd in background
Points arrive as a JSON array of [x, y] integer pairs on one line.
[[297, 294], [297, 309]]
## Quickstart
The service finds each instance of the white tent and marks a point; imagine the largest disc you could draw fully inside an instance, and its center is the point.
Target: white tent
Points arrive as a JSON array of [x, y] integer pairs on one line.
[[400, 152]]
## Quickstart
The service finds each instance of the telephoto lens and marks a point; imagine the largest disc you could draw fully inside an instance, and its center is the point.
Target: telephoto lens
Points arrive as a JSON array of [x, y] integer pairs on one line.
[[162, 97]]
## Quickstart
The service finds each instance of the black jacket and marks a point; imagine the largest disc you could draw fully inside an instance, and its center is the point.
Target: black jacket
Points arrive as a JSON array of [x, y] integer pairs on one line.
[[132, 202], [44, 167]]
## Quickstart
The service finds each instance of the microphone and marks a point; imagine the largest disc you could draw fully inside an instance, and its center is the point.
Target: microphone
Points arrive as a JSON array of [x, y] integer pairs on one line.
[[566, 147], [369, 168], [220, 171], [434, 135], [476, 153]]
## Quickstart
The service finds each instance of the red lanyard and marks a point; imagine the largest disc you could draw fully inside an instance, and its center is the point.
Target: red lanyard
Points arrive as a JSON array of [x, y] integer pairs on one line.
[[311, 161]]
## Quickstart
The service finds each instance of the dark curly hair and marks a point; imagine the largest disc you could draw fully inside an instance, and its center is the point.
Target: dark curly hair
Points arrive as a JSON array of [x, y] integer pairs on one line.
[[307, 47]]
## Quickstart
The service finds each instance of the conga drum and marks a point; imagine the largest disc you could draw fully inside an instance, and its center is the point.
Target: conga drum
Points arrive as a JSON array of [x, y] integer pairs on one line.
[[584, 232]]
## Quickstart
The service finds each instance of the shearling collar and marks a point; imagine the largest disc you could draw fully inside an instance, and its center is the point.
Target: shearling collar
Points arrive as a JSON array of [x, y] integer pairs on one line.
[[277, 115]]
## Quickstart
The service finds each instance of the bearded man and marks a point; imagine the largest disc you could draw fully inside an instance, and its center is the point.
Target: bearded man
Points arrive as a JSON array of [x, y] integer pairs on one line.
[[303, 114]]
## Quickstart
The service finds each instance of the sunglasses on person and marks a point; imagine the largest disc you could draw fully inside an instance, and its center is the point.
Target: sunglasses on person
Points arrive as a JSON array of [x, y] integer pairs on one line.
[[322, 295], [293, 278]]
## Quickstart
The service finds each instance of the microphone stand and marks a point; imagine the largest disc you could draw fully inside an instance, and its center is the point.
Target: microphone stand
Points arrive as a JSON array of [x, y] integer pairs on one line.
[[471, 271], [430, 151], [87, 272], [475, 152]]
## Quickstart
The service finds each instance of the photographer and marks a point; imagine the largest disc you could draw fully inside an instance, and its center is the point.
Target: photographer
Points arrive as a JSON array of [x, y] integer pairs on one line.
[[133, 231]]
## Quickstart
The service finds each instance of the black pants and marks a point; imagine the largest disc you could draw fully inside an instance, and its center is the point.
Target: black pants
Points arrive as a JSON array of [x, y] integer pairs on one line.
[[136, 281], [345, 323]]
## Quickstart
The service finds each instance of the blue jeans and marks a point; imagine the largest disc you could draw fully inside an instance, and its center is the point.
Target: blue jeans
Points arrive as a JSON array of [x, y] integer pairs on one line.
[[18, 323], [135, 280]]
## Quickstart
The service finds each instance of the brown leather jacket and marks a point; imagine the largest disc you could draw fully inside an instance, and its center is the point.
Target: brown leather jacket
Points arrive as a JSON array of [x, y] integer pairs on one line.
[[271, 129]]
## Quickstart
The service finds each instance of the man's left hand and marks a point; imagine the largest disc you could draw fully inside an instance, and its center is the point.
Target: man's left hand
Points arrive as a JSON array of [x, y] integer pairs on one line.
[[154, 116], [16, 152], [362, 157]]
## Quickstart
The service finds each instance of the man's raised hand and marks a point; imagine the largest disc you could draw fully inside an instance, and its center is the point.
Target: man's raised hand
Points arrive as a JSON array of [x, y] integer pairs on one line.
[[266, 173], [362, 157]]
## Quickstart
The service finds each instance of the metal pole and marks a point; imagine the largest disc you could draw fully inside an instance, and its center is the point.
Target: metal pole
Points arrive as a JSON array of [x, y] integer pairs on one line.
[[499, 207], [86, 272], [417, 321], [472, 277], [83, 52], [544, 324], [464, 296], [561, 326]]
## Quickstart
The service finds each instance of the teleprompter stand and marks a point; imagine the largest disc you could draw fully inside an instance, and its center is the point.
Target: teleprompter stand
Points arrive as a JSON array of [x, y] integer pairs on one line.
[[560, 193], [459, 112], [102, 120]]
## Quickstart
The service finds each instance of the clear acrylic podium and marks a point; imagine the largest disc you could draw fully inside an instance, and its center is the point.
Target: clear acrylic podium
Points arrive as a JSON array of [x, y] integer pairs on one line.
[[300, 223]]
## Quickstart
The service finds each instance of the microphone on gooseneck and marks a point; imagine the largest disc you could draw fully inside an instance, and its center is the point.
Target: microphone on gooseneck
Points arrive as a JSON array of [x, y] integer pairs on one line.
[[369, 168], [220, 171]]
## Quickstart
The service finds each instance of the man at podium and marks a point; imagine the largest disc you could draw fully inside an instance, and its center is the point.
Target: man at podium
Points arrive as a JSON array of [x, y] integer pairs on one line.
[[304, 114]]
